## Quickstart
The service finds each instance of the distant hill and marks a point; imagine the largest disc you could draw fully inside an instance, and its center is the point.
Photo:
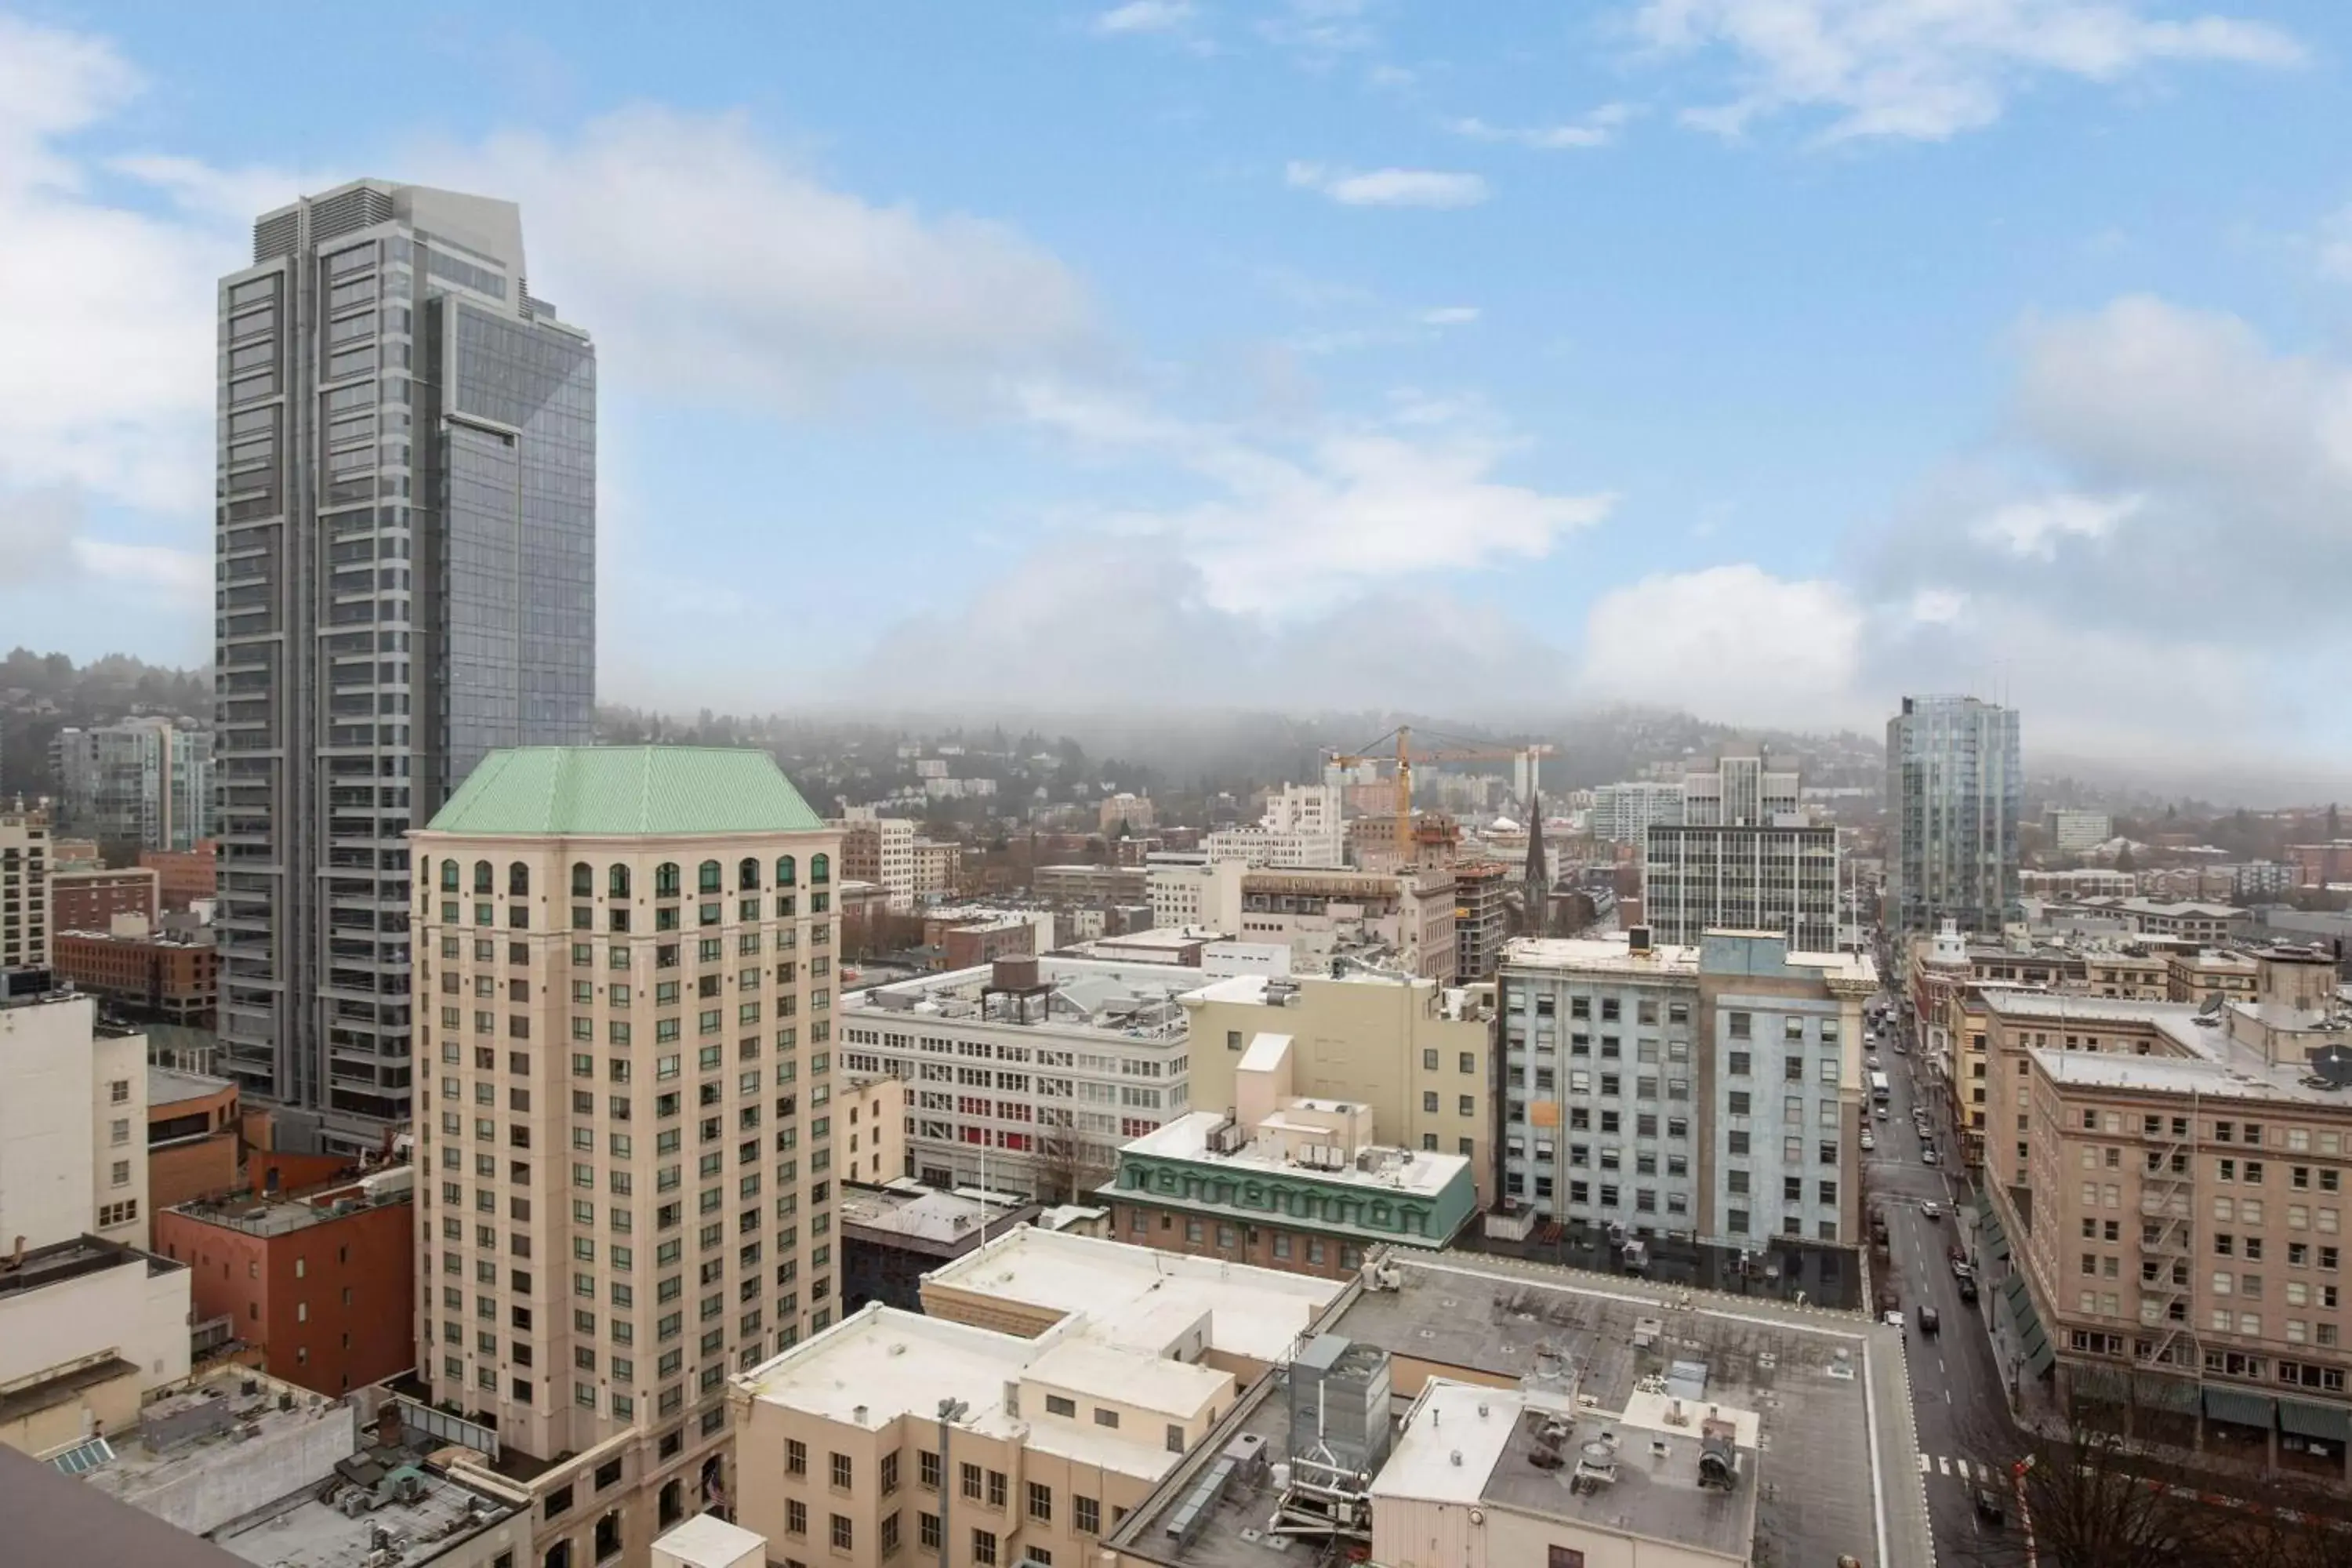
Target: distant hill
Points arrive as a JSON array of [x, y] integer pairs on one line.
[[41, 693]]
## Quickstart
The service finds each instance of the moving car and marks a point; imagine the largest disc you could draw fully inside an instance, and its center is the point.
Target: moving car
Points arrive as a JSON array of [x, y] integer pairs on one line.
[[1879, 1111], [1931, 1209], [1930, 1323], [1871, 1062], [1928, 1155], [1989, 1506]]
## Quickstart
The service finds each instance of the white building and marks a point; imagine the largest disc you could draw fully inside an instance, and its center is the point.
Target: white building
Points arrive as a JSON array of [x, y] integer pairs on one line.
[[1742, 856], [73, 1123], [1301, 827], [1622, 813], [879, 850], [2072, 833], [1016, 1074], [1193, 888]]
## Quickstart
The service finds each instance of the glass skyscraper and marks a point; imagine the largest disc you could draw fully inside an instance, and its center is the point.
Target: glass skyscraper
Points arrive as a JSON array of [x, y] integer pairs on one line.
[[1954, 788], [407, 564]]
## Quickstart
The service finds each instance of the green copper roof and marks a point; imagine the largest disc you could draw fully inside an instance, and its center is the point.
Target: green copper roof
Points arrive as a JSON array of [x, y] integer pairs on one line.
[[625, 790]]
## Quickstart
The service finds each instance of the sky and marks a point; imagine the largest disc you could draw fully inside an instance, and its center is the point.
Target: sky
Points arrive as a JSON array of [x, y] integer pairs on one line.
[[1765, 358]]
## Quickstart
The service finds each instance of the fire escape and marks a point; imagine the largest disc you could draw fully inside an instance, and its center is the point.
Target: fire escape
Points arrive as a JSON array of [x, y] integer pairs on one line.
[[2168, 1242]]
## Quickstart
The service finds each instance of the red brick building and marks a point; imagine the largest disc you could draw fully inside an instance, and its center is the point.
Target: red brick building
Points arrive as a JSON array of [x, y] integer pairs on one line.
[[324, 1285], [90, 899], [162, 977], [184, 875], [193, 1137]]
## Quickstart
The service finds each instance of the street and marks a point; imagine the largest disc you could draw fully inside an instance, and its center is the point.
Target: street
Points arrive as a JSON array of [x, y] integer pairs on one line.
[[1959, 1409]]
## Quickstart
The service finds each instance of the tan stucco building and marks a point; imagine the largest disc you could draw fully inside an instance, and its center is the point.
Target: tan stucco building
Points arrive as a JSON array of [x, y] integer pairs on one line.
[[626, 1134]]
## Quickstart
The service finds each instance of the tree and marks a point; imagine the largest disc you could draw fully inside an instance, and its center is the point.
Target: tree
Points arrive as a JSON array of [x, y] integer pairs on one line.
[[1069, 1166], [2125, 861]]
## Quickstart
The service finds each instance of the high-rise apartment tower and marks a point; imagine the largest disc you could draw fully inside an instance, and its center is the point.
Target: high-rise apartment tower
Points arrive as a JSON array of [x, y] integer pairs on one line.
[[408, 550], [1954, 787]]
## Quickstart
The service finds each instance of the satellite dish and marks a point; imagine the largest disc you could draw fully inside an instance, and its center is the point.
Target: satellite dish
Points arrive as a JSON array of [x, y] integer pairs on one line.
[[2213, 1003], [2334, 1063]]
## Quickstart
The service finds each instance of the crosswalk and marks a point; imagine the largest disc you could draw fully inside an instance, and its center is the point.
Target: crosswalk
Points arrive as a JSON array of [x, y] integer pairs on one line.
[[1965, 1470]]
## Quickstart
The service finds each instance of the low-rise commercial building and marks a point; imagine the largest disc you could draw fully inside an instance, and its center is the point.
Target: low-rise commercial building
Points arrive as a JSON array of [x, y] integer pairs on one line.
[[185, 877], [89, 1328], [1285, 1181], [2196, 976], [147, 975], [1302, 826], [323, 1285], [1323, 913], [1421, 1055], [1085, 884], [73, 1118], [2067, 833], [90, 897], [892, 1235]]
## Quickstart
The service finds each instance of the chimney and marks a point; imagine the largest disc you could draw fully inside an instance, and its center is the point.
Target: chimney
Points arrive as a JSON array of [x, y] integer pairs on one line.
[[15, 1258]]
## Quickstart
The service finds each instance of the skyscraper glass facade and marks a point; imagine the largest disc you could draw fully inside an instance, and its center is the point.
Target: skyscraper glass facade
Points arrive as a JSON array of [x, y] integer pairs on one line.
[[1955, 785], [406, 567]]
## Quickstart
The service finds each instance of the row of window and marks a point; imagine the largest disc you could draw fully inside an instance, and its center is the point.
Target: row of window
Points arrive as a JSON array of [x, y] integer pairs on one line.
[[668, 878]]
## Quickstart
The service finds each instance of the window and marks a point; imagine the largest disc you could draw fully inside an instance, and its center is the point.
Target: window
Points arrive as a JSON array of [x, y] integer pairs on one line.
[[889, 1472], [1106, 1417], [1041, 1502], [927, 1469], [844, 1532], [841, 1470], [795, 1457], [983, 1542], [1086, 1515], [795, 1517]]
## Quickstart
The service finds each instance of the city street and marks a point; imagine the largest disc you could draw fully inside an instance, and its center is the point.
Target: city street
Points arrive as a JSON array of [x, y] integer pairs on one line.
[[1957, 1402]]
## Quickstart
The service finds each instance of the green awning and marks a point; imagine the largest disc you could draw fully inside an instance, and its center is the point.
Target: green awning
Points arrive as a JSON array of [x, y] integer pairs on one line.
[[1992, 1241], [2332, 1422], [2037, 1360], [2176, 1394], [2101, 1383], [2032, 1339], [2237, 1405]]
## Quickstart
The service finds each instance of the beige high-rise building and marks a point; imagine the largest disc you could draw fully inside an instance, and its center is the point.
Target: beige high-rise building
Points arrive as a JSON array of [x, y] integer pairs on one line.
[[24, 889], [626, 1138]]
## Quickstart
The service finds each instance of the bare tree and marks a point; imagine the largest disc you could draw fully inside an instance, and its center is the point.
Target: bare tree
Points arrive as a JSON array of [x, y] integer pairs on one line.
[[2090, 1500], [1069, 1165]]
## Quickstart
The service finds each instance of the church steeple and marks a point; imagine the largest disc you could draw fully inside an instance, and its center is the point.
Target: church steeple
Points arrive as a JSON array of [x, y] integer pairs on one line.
[[1536, 877]]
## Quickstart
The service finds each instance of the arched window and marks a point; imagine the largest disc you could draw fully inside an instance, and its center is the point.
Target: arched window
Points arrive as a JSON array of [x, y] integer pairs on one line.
[[583, 880], [483, 883], [449, 875], [786, 872], [616, 882], [665, 882], [518, 880], [746, 876], [706, 876], [820, 867]]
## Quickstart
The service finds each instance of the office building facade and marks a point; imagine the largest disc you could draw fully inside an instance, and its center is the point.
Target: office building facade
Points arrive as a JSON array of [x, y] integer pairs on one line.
[[406, 538], [1741, 857], [1955, 785]]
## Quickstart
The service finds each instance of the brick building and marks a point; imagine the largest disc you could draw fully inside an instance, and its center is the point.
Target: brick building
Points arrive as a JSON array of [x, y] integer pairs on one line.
[[88, 898], [324, 1285], [183, 876], [167, 978], [192, 1138]]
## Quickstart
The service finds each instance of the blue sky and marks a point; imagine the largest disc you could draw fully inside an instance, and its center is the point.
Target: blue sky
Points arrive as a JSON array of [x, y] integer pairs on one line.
[[1763, 357]]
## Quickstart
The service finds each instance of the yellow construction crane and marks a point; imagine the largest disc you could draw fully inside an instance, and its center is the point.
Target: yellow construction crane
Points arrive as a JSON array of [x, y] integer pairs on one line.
[[1405, 757]]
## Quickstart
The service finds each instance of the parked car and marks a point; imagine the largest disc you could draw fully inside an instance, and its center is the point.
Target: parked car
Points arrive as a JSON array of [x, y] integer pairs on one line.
[[1928, 1154], [1989, 1506], [1967, 1292], [1930, 1323], [1894, 1319], [1868, 1143], [1879, 1111], [1960, 1270], [1871, 1062]]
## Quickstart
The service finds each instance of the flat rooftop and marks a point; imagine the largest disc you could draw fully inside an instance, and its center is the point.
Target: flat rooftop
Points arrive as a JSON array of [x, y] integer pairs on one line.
[[1142, 1296], [304, 1532], [63, 1260], [880, 1363], [1464, 1443], [1082, 996], [268, 1216], [1834, 1452], [942, 1219], [169, 1086], [1392, 1170], [1598, 954]]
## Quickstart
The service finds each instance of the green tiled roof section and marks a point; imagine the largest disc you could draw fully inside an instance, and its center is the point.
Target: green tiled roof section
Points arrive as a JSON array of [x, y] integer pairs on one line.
[[580, 791]]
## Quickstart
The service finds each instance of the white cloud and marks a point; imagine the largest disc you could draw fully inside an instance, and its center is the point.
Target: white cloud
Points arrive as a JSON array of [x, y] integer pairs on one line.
[[1309, 522], [1450, 316], [1932, 68], [797, 293], [2033, 529], [1145, 16], [1598, 129], [1938, 606], [1389, 188], [2333, 247], [1732, 643]]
